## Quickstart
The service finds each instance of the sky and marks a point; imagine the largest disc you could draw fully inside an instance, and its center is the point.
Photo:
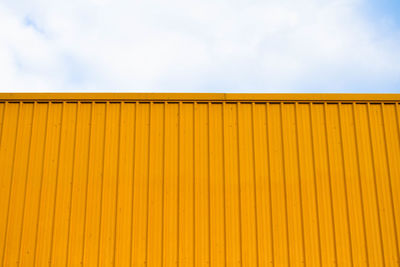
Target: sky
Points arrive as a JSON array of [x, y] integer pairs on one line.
[[238, 46]]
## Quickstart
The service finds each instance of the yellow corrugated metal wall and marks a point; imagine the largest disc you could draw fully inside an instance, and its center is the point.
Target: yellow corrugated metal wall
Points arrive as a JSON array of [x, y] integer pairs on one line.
[[198, 183]]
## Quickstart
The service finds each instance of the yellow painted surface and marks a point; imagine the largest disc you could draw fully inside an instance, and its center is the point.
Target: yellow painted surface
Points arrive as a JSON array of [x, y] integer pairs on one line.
[[199, 180]]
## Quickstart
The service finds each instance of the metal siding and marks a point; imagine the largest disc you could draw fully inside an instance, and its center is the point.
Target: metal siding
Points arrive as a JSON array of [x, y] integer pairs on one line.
[[190, 182]]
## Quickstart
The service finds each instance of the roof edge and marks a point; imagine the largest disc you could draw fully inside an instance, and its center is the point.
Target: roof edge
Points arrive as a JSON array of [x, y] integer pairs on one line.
[[195, 97]]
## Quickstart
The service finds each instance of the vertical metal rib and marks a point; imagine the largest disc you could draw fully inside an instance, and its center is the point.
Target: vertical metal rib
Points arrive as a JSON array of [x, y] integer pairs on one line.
[[57, 178], [284, 181], [102, 180], [345, 183], [72, 180], [28, 167], [133, 180], [209, 179], [269, 182], [12, 174], [87, 179], [397, 111], [46, 137], [117, 179], [163, 184], [224, 175], [255, 182], [148, 184], [359, 181], [390, 181], [179, 176], [315, 183], [194, 182], [300, 181], [239, 186], [330, 181], [375, 184]]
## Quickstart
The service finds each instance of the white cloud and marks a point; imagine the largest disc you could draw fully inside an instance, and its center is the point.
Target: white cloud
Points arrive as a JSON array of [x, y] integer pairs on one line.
[[209, 45]]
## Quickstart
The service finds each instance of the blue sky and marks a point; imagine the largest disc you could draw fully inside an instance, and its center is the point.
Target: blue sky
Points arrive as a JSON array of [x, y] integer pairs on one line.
[[384, 9], [275, 46]]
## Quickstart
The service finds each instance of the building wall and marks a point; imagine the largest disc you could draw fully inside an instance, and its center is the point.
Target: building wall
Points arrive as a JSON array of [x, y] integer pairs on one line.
[[200, 180]]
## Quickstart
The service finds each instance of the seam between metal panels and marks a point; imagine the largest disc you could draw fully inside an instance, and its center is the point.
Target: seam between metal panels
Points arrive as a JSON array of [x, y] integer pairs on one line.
[[345, 183]]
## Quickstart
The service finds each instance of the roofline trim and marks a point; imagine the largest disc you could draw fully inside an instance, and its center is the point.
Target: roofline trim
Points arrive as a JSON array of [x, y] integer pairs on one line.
[[194, 97]]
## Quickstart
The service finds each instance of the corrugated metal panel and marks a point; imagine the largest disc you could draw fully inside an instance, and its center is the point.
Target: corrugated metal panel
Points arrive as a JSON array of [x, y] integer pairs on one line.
[[201, 180]]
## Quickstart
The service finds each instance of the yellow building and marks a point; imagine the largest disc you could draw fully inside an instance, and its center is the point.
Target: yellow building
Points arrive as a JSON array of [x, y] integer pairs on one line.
[[199, 180]]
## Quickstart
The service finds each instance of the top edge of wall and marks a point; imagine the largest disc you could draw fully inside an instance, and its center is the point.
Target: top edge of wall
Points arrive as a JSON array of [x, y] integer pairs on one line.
[[194, 97]]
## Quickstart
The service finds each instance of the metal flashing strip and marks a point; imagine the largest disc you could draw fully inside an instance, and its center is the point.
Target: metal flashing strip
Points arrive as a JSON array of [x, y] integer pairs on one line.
[[197, 97]]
